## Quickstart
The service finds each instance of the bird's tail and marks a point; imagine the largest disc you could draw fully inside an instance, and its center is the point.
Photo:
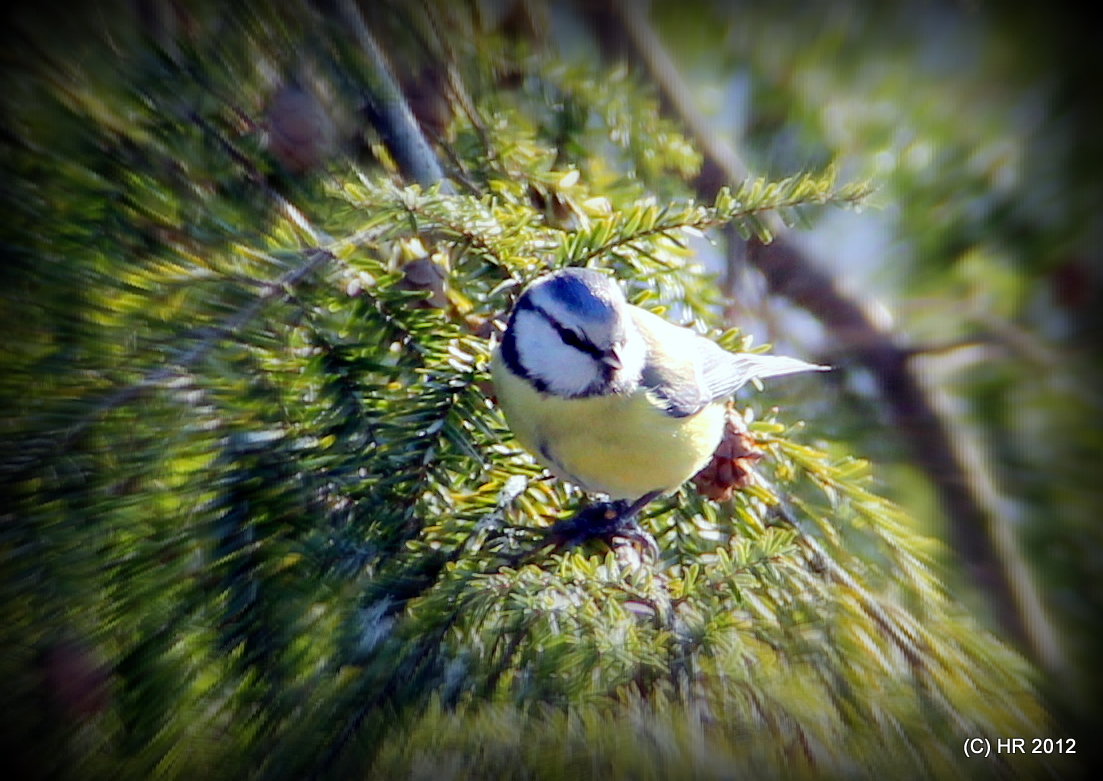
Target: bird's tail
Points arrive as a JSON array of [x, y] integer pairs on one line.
[[753, 365]]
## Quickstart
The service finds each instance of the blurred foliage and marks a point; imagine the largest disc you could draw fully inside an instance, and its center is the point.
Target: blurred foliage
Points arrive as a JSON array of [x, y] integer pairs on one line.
[[983, 257], [263, 517]]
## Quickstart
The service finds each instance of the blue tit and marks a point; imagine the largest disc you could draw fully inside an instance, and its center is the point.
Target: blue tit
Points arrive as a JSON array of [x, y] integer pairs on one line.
[[611, 397]]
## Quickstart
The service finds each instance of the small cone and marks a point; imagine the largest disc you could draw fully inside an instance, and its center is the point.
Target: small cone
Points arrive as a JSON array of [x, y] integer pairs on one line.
[[729, 469]]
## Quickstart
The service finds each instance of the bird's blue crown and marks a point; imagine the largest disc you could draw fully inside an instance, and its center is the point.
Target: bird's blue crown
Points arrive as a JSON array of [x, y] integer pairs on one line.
[[587, 293]]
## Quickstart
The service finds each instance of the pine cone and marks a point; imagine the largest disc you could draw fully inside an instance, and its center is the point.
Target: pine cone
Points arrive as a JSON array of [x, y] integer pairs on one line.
[[729, 469]]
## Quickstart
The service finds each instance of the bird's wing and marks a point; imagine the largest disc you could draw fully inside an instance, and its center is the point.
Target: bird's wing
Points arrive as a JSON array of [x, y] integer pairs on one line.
[[685, 372], [671, 370]]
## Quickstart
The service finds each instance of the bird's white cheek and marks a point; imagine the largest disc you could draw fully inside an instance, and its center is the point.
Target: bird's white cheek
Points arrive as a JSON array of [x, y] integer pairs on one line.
[[543, 355]]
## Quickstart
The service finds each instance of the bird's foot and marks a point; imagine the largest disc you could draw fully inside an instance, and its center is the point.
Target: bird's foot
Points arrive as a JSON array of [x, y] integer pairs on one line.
[[612, 522]]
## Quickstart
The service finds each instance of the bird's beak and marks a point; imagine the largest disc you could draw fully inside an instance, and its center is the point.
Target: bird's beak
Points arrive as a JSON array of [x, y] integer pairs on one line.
[[612, 358]]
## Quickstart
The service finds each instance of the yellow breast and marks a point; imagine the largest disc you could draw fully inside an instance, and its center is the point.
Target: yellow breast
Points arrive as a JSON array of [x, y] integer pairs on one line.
[[621, 445]]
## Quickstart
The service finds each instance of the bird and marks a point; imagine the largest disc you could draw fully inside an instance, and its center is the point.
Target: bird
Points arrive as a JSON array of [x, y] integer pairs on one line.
[[611, 397]]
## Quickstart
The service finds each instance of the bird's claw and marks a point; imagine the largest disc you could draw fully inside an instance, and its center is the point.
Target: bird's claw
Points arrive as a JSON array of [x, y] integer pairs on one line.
[[613, 522]]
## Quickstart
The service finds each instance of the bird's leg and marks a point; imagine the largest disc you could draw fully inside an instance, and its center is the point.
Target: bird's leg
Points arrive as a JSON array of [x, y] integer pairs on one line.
[[634, 508], [606, 521]]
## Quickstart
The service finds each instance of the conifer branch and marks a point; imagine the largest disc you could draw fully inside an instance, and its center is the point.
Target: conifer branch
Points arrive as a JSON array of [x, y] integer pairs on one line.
[[45, 445], [744, 208], [294, 547], [980, 534], [907, 646]]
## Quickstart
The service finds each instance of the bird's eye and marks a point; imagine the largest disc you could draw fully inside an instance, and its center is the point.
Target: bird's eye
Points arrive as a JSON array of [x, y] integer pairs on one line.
[[579, 342], [574, 340]]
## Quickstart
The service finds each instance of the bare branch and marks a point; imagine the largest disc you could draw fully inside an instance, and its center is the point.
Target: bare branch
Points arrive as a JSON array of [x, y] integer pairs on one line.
[[980, 531], [389, 111]]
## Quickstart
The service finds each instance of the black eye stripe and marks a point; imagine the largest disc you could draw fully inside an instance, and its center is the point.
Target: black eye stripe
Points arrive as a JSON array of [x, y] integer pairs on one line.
[[569, 337], [574, 340]]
